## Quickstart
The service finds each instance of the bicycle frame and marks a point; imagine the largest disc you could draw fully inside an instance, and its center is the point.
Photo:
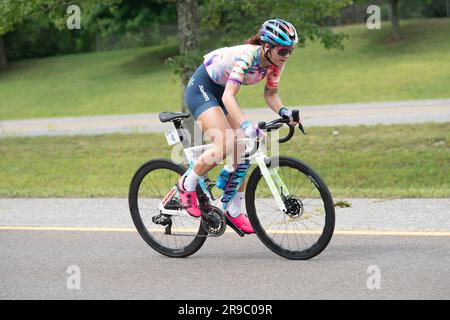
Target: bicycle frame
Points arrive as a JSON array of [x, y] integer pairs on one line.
[[292, 217], [273, 179]]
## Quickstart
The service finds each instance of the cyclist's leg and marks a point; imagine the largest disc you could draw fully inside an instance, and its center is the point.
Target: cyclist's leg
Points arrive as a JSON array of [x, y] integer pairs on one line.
[[238, 148], [234, 211], [214, 124], [203, 99]]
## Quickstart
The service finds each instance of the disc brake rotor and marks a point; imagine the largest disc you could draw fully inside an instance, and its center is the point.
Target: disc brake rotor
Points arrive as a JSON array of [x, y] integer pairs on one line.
[[294, 207]]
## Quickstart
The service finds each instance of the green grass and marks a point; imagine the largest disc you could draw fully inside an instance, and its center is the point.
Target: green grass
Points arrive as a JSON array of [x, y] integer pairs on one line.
[[114, 82], [136, 80], [373, 69], [363, 161]]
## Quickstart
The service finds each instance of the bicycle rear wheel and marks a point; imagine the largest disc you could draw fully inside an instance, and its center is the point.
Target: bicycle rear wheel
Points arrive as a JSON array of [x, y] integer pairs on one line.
[[174, 235], [306, 228]]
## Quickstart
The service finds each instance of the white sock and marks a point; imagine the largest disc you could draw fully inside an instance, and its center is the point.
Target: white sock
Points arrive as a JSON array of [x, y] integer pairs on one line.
[[234, 209], [191, 181]]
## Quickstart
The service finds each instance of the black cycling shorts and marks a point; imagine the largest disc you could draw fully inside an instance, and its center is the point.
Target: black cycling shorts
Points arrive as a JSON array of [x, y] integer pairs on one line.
[[203, 93]]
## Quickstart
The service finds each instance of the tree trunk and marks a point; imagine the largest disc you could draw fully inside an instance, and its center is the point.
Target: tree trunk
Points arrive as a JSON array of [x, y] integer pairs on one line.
[[2, 54], [188, 24], [395, 20]]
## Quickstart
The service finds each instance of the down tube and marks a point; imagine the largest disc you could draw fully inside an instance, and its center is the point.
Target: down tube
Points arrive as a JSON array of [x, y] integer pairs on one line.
[[279, 182], [272, 185]]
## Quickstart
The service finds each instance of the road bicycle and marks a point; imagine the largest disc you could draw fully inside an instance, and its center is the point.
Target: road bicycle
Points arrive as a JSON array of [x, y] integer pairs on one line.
[[288, 204]]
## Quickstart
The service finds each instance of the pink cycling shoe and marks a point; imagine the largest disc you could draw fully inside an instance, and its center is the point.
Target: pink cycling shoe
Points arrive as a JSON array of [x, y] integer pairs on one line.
[[242, 222], [189, 199]]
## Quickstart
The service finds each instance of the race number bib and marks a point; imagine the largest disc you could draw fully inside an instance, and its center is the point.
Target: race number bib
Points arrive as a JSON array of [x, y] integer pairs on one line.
[[172, 137]]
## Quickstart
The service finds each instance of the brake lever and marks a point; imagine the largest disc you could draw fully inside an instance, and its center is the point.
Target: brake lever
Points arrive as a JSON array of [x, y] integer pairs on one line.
[[300, 126], [296, 117]]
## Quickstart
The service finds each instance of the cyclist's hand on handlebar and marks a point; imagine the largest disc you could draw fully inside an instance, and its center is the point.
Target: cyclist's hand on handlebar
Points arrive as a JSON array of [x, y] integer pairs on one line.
[[285, 112], [252, 131]]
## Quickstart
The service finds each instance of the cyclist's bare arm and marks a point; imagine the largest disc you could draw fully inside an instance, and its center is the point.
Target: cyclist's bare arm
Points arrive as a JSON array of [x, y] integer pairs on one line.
[[272, 98], [231, 103]]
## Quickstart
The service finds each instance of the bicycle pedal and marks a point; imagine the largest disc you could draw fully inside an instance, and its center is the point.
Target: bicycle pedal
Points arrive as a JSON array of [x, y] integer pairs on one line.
[[174, 204], [234, 227], [162, 219]]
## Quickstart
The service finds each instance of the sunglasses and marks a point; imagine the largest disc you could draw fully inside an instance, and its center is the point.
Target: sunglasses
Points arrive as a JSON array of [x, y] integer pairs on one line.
[[284, 51]]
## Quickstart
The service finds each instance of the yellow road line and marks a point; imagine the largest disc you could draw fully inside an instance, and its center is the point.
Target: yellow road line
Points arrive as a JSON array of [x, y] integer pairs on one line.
[[394, 233], [84, 229], [337, 232]]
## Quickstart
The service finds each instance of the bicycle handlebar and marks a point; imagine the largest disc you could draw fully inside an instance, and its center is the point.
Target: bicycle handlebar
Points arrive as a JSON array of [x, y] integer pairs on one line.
[[274, 125], [278, 123]]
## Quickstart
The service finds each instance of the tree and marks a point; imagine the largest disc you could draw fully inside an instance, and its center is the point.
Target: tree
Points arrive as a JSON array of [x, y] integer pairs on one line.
[[238, 19], [395, 13], [188, 25], [2, 54], [147, 22], [16, 11], [395, 18], [13, 12], [398, 9]]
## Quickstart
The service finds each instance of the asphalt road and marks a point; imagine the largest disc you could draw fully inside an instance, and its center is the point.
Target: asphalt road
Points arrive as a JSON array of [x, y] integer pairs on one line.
[[382, 249], [88, 249], [119, 265]]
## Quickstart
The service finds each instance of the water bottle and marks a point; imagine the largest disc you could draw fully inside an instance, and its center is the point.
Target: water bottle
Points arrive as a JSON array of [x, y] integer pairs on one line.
[[224, 176]]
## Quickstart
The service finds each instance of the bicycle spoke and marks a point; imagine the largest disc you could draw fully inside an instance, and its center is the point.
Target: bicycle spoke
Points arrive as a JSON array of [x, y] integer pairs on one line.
[[154, 187], [303, 239], [300, 228]]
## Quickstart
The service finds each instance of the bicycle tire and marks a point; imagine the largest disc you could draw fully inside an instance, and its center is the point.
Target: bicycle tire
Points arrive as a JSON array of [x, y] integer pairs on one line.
[[325, 194], [133, 193]]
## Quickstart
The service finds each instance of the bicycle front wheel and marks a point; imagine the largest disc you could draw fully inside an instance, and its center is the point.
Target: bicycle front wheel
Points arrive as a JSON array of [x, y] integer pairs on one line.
[[306, 228]]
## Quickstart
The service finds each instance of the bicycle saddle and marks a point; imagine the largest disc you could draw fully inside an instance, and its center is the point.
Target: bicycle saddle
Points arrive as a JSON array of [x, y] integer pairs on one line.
[[171, 116]]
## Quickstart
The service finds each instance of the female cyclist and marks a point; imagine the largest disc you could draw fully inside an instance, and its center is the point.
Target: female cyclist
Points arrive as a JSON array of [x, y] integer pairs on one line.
[[211, 98]]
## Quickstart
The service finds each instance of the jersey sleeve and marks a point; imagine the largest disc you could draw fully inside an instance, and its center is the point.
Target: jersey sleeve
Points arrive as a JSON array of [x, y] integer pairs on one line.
[[242, 65], [273, 77]]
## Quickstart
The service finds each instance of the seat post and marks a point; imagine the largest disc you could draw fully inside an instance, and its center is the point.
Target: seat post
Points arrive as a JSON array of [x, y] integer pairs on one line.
[[179, 126]]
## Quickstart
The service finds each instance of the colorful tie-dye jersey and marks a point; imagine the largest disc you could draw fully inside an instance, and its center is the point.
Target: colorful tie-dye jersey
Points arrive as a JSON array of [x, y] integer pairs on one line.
[[240, 65]]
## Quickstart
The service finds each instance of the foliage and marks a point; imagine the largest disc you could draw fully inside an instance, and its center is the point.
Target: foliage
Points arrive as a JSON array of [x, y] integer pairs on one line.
[[132, 16], [13, 12], [136, 80], [436, 8], [240, 19], [185, 62], [233, 21], [410, 9], [134, 23], [16, 11], [40, 38], [38, 28]]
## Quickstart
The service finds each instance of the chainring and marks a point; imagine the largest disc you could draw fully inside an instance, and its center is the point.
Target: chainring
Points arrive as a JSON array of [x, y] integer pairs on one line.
[[214, 221]]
